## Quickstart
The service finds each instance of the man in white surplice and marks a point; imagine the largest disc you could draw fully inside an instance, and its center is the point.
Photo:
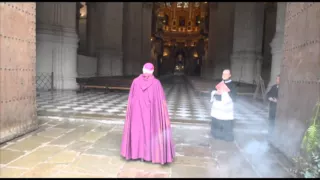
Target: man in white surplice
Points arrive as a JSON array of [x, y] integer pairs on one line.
[[222, 109]]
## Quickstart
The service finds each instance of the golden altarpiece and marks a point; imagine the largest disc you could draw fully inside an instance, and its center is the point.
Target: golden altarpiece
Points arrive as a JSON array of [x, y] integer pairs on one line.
[[181, 28]]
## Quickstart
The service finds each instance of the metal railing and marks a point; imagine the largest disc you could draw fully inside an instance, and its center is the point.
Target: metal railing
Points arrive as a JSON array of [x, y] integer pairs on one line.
[[44, 81]]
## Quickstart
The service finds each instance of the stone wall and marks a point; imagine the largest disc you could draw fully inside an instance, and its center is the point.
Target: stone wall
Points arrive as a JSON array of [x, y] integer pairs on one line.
[[17, 70], [300, 76]]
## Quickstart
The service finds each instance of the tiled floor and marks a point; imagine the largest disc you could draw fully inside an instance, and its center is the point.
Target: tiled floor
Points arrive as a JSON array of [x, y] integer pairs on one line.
[[60, 148], [183, 104]]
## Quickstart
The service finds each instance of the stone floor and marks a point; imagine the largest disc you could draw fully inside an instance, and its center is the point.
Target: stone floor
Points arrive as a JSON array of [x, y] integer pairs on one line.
[[74, 146], [62, 148]]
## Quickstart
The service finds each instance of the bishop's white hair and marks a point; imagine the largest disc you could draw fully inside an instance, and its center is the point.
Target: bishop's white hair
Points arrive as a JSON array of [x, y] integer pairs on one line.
[[147, 71]]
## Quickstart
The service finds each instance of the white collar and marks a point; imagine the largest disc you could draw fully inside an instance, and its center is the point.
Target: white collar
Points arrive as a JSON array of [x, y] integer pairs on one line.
[[227, 81]]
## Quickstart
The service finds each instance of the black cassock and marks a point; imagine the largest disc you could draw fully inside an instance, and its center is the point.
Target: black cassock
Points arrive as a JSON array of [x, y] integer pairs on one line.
[[273, 93]]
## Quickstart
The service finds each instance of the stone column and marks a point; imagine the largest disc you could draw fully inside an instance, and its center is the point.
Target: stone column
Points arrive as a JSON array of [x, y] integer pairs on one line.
[[57, 43], [137, 37], [132, 34], [277, 43], [207, 66], [146, 34], [247, 42], [223, 38], [92, 25], [110, 51], [125, 39]]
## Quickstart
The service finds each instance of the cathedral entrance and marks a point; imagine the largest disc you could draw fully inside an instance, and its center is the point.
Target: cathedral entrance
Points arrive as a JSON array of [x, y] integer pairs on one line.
[[37, 38]]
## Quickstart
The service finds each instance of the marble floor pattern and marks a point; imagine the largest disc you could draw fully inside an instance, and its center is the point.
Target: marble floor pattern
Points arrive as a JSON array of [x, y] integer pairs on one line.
[[181, 100], [63, 148], [183, 104]]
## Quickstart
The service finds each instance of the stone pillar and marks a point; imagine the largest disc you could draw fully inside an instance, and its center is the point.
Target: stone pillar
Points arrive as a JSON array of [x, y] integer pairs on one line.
[[146, 34], [299, 88], [247, 42], [57, 43], [223, 38], [92, 25], [125, 39], [18, 109], [137, 37], [277, 43], [132, 34], [110, 51], [207, 66]]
